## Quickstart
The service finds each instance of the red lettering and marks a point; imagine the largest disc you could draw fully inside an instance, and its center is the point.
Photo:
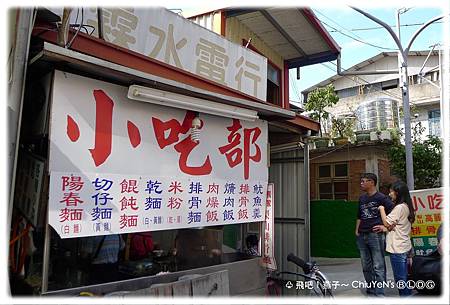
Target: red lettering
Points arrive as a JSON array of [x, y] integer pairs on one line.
[[431, 230], [434, 201], [175, 187], [234, 154], [73, 131], [184, 147], [418, 201], [65, 182], [103, 127], [133, 134], [174, 203], [174, 127], [251, 135], [211, 216], [71, 199]]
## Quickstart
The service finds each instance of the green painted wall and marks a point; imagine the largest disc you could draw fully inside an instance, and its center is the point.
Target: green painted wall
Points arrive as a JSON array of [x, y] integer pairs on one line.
[[333, 228], [230, 235]]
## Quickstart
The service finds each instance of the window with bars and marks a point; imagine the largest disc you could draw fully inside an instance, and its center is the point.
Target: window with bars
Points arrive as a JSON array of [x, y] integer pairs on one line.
[[332, 181]]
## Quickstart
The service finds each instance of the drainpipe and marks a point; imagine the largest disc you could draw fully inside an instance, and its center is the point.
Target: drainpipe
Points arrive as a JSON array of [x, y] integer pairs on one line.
[[307, 198]]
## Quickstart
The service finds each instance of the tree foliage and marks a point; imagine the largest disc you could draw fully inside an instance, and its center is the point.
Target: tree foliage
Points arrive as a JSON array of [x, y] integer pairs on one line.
[[427, 161], [342, 127], [318, 100]]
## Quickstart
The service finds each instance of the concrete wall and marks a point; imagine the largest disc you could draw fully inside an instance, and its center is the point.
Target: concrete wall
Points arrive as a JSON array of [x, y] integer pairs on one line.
[[387, 63], [420, 94], [424, 97]]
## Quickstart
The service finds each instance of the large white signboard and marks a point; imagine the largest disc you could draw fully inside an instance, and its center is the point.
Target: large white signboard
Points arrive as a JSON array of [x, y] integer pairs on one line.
[[163, 35], [119, 166]]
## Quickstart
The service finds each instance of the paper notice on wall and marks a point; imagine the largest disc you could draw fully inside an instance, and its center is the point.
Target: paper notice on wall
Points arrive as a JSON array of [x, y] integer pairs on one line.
[[269, 226]]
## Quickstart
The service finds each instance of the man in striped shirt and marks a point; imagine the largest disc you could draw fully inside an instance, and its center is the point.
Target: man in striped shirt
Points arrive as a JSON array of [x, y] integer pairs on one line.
[[104, 253]]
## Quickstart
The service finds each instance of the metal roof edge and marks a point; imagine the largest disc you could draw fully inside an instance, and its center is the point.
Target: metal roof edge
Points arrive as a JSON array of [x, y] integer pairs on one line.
[[363, 64], [309, 14], [57, 52], [311, 59]]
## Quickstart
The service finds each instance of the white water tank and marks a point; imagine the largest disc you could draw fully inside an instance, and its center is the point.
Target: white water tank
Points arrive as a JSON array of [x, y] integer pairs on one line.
[[377, 114]]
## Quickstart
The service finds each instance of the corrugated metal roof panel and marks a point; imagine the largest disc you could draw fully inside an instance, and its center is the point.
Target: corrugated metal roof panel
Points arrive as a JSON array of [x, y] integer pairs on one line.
[[292, 32]]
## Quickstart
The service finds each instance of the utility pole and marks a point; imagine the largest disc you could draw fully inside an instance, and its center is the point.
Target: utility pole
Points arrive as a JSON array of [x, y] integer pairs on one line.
[[404, 86]]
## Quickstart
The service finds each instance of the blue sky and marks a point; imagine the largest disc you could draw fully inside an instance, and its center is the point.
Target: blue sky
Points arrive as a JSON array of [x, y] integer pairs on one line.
[[347, 20]]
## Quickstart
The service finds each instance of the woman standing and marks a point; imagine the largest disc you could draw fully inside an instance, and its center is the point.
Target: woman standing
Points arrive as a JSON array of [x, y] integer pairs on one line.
[[398, 242]]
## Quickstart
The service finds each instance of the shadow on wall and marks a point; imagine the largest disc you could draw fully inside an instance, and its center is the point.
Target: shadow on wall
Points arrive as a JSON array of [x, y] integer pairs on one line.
[[333, 228]]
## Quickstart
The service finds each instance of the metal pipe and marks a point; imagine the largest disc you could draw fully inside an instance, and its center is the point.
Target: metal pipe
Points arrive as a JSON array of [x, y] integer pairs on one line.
[[414, 36], [441, 93], [100, 22], [63, 31], [46, 256], [430, 82], [404, 86], [307, 196], [426, 59], [386, 26]]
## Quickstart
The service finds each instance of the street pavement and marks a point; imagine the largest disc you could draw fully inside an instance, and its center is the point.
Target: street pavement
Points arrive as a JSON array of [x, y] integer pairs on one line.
[[344, 272]]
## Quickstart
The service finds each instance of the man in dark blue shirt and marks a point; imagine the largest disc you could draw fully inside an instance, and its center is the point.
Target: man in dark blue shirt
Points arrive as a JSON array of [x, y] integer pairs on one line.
[[370, 235]]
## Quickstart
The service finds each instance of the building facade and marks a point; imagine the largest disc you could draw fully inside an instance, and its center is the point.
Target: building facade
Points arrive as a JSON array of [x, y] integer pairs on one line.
[[424, 88], [107, 103], [374, 103]]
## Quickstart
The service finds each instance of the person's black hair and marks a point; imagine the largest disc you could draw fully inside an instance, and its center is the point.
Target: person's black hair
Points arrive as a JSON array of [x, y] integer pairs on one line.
[[403, 196], [370, 176]]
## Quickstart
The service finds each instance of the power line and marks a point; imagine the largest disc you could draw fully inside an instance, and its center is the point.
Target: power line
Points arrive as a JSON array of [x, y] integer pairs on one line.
[[355, 79], [337, 24], [294, 85], [358, 38], [380, 27]]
